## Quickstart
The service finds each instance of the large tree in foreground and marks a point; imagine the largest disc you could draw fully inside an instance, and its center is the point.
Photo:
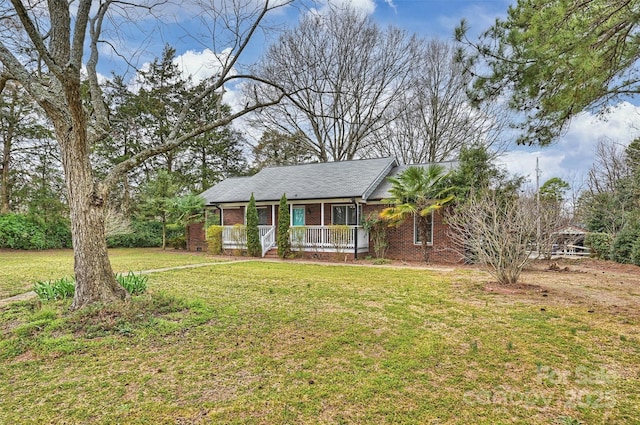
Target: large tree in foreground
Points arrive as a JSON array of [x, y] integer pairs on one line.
[[47, 46], [555, 59]]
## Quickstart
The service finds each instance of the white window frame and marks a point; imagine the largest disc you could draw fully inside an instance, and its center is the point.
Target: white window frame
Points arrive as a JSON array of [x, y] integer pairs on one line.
[[416, 233], [358, 214]]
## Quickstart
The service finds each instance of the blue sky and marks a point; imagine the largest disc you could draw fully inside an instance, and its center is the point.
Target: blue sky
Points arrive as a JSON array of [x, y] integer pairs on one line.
[[570, 158]]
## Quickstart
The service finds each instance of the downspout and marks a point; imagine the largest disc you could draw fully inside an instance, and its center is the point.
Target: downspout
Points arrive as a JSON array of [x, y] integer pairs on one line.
[[219, 213]]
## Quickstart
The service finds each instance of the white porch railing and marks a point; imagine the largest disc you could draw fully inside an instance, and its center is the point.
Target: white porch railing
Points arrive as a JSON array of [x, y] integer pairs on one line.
[[572, 251], [303, 238], [268, 241], [329, 238], [235, 237]]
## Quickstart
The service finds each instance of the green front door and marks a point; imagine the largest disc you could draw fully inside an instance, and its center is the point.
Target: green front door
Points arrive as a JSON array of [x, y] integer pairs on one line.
[[297, 216]]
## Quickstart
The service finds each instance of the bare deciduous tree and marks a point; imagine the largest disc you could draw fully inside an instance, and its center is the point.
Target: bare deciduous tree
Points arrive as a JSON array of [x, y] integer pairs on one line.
[[552, 217], [344, 73], [433, 118], [610, 194], [47, 46], [495, 231], [609, 168]]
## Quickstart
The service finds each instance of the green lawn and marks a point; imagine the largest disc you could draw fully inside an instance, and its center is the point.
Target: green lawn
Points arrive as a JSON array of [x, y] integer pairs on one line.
[[272, 343], [19, 270]]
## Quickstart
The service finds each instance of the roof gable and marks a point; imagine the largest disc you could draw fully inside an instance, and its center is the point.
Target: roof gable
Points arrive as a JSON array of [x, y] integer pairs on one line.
[[381, 191]]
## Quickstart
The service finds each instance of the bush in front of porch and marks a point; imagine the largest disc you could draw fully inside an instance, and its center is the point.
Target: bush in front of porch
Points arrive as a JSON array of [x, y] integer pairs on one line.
[[254, 248], [214, 239], [283, 242]]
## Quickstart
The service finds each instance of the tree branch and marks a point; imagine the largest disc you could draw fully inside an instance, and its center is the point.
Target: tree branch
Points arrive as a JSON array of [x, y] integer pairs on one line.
[[122, 168], [35, 37], [102, 125]]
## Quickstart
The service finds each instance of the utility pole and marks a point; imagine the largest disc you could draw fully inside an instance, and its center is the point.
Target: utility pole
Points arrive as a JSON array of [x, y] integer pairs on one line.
[[538, 222]]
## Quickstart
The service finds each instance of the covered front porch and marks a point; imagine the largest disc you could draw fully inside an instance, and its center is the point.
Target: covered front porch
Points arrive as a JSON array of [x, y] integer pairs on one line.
[[338, 239]]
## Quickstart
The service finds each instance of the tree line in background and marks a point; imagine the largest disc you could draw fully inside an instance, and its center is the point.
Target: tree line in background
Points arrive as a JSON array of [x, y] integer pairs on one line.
[[150, 206]]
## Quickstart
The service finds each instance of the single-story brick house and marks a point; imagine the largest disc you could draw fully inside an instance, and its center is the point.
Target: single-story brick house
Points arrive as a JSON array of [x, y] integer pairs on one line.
[[321, 196]]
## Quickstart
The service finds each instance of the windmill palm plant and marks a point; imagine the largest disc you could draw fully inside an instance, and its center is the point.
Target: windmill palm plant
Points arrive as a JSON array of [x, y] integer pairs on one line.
[[418, 191]]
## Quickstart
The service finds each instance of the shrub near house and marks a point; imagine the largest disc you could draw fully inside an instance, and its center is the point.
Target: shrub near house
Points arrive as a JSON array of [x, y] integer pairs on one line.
[[18, 231]]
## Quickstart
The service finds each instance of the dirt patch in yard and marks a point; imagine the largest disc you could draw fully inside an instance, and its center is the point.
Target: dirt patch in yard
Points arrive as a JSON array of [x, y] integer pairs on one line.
[[596, 286]]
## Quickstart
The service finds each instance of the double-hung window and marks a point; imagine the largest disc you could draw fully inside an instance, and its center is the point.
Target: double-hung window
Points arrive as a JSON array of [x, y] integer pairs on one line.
[[345, 214]]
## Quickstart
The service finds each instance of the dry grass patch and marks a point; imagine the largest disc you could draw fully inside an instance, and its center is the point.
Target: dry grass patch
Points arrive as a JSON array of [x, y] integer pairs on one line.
[[271, 343]]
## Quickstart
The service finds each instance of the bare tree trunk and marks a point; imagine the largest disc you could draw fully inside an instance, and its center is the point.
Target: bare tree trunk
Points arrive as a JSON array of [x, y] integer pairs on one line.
[[423, 229], [164, 232], [95, 281], [5, 191], [4, 177]]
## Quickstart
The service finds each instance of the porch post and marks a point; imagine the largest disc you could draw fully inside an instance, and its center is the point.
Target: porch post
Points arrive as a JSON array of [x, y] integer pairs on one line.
[[322, 232], [273, 215], [355, 233], [290, 214]]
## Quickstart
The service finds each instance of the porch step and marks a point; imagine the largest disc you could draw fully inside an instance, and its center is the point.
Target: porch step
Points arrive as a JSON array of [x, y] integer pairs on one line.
[[272, 253]]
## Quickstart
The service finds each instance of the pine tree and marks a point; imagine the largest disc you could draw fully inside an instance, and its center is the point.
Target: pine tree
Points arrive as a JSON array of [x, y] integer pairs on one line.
[[284, 244], [254, 248]]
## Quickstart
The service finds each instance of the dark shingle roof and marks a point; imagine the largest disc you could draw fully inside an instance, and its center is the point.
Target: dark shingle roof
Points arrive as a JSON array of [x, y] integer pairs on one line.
[[382, 191], [345, 179]]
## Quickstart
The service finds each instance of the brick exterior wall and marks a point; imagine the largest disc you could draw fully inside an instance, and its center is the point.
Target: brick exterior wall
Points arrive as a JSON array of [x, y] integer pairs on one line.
[[402, 246], [401, 238], [233, 216], [196, 240]]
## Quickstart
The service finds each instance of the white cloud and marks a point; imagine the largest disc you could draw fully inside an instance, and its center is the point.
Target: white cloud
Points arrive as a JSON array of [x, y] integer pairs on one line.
[[572, 156], [201, 65], [365, 6], [391, 4]]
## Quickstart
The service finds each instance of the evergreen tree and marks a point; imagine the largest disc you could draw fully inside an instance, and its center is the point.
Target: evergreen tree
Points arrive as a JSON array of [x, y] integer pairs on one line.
[[22, 132], [254, 248], [213, 155], [162, 94], [477, 171], [553, 59], [157, 198], [283, 241]]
